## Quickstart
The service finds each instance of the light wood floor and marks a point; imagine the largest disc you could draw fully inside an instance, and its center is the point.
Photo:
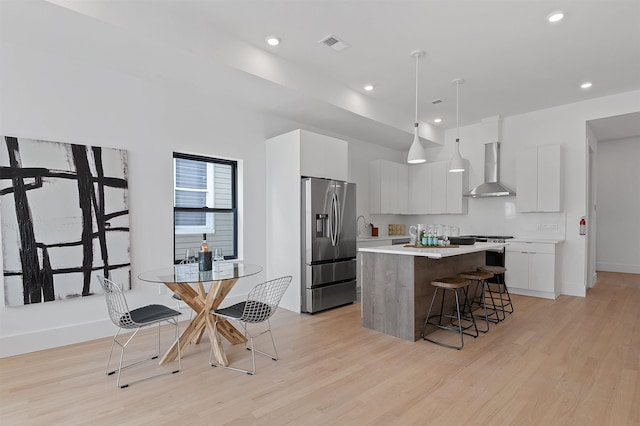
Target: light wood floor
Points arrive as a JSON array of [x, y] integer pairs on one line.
[[567, 361]]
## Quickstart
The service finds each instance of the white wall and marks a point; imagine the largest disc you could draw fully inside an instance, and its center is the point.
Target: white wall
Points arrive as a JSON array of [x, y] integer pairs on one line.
[[618, 189], [46, 95]]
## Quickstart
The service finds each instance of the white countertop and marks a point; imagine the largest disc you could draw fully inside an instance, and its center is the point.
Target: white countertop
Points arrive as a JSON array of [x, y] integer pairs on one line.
[[537, 240], [432, 252]]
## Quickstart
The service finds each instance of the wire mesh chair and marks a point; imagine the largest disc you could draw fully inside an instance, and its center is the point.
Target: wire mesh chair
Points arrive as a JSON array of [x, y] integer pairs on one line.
[[262, 302], [126, 319]]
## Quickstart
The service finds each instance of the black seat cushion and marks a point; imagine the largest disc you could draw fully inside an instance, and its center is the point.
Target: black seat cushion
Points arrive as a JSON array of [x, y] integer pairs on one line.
[[233, 311], [260, 311], [152, 313]]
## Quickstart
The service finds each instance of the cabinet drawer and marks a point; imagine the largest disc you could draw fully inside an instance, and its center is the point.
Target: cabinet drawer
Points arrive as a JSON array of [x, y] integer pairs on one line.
[[531, 248]]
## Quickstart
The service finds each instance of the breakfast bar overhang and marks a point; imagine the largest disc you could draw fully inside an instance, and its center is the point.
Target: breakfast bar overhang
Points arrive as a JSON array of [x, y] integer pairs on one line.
[[396, 290]]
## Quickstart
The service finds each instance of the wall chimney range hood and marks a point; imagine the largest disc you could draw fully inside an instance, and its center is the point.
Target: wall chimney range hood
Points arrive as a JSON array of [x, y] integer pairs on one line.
[[491, 186], [492, 133]]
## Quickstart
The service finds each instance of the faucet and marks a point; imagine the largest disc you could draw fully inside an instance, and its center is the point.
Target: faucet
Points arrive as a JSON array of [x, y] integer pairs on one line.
[[365, 223]]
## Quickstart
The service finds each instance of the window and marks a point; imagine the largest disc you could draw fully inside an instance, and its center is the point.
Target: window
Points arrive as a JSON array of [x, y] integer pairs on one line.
[[204, 205]]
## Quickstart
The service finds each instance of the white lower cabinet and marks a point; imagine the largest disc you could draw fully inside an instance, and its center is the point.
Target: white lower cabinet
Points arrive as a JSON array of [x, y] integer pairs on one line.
[[531, 269]]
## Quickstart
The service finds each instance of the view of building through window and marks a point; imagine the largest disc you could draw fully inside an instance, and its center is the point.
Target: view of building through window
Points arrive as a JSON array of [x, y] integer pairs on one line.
[[205, 205]]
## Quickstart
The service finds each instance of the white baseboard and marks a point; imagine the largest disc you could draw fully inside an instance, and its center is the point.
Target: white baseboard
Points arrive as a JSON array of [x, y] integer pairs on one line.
[[532, 293], [39, 340], [18, 344], [616, 267]]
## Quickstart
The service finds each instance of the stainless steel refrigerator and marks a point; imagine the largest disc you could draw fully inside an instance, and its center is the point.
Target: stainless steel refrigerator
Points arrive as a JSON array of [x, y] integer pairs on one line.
[[328, 244]]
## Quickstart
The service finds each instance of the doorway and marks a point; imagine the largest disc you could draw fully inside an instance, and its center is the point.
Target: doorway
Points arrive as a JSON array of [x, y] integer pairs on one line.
[[613, 176]]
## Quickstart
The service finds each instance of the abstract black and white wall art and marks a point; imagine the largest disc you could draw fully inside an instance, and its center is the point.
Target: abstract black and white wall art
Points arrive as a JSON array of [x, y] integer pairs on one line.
[[65, 219]]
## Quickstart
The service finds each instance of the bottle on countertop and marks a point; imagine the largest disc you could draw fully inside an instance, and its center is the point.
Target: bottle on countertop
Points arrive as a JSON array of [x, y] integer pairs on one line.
[[204, 246]]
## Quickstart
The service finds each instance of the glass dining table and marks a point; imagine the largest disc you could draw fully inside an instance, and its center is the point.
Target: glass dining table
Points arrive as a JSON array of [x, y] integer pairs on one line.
[[189, 283]]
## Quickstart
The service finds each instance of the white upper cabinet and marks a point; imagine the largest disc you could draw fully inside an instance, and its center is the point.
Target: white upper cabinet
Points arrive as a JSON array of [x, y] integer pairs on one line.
[[403, 188], [439, 188], [457, 185], [538, 179], [426, 188], [388, 184], [549, 179], [420, 188], [323, 156]]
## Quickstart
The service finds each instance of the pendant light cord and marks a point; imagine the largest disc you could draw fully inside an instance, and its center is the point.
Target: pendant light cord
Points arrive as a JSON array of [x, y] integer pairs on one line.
[[417, 59], [457, 111]]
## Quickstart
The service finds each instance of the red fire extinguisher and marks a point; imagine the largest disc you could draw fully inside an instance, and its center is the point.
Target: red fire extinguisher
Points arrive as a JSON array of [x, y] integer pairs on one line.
[[583, 226]]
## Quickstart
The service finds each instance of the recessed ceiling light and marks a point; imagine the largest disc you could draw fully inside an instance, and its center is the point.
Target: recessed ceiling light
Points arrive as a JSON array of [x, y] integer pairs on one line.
[[556, 16], [586, 85], [438, 120], [272, 40], [369, 87]]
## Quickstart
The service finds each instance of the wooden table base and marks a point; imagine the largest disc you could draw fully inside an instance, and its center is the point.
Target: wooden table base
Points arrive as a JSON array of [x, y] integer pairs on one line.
[[203, 303]]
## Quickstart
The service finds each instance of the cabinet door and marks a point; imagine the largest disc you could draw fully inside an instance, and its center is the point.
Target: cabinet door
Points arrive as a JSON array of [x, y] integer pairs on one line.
[[527, 181], [549, 178], [402, 188], [439, 187], [541, 272], [420, 189], [323, 156], [375, 187], [517, 264], [456, 202], [388, 187]]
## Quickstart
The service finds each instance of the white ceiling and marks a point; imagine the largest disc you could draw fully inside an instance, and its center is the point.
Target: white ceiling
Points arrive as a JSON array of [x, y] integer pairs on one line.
[[512, 59], [615, 128]]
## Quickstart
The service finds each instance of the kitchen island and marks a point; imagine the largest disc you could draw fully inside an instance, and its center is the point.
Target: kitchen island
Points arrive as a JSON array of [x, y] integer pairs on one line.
[[396, 290]]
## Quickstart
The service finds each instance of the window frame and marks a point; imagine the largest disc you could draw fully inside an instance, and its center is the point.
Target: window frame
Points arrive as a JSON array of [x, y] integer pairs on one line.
[[211, 161]]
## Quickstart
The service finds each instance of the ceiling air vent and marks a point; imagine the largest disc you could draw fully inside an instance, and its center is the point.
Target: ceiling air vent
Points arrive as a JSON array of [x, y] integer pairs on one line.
[[334, 42], [436, 101]]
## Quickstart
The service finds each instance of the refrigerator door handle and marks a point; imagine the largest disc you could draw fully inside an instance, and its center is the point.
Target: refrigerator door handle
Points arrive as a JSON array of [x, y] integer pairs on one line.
[[333, 220], [338, 223]]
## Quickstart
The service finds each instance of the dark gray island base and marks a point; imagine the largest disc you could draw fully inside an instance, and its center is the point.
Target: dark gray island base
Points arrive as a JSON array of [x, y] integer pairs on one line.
[[396, 289]]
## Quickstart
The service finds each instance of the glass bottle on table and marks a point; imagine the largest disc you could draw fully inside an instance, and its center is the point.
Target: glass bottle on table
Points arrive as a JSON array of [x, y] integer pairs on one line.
[[204, 246]]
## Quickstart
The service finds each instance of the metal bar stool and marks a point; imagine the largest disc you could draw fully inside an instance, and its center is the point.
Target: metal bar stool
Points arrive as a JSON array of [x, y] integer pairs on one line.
[[459, 287], [499, 290], [479, 296]]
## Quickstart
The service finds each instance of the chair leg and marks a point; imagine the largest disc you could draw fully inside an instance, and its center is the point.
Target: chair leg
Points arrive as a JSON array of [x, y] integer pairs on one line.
[[113, 343], [457, 328], [480, 287], [251, 348], [502, 291], [275, 350], [123, 347], [426, 321]]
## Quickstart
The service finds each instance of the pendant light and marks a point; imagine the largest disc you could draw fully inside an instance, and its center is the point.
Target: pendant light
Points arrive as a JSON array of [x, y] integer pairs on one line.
[[416, 152], [457, 162]]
